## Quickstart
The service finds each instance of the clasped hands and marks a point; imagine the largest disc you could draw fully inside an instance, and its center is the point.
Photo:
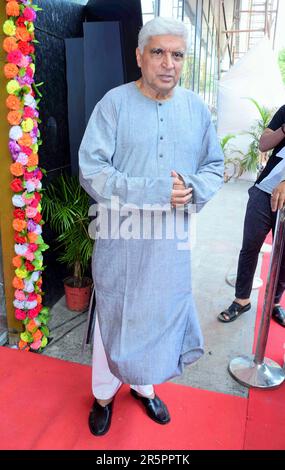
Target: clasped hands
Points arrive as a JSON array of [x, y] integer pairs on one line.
[[180, 195]]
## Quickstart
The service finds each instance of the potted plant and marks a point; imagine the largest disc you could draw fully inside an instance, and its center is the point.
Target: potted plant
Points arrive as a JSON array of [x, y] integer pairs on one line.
[[66, 205], [255, 160]]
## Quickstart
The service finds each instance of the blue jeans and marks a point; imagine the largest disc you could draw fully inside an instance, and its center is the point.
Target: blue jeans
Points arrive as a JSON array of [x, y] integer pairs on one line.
[[259, 220]]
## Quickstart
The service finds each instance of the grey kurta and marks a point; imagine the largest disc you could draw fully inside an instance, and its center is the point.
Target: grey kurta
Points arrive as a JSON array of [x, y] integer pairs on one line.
[[144, 302]]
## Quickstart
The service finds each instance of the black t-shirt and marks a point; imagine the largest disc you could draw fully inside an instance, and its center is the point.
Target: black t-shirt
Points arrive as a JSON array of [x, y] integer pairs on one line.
[[276, 122]]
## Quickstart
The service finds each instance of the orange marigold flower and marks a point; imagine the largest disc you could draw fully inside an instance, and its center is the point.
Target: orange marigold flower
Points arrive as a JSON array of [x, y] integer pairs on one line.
[[31, 326], [32, 236], [14, 118], [22, 34], [18, 283], [13, 102], [10, 70], [19, 225], [22, 344], [39, 299], [33, 159], [17, 261], [26, 140], [17, 169], [37, 335], [12, 8], [10, 44]]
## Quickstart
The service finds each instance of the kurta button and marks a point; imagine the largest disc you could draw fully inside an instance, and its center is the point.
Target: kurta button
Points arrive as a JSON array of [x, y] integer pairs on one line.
[[161, 119], [161, 138], [161, 156], [159, 104]]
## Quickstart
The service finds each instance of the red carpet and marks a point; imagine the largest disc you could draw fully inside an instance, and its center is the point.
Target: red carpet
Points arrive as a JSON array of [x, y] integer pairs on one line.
[[44, 404], [266, 411]]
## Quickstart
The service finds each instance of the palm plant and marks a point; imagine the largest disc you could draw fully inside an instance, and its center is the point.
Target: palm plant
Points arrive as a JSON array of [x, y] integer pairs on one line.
[[253, 159], [66, 205]]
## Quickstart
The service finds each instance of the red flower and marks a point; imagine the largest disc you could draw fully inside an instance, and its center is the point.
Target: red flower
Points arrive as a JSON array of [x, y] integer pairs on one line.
[[20, 21], [26, 150], [38, 196], [15, 57], [19, 214], [38, 218], [33, 312], [24, 47], [28, 175], [29, 266], [28, 112], [33, 246], [32, 49], [32, 297], [39, 175], [34, 202], [29, 71], [16, 185], [19, 239], [20, 314]]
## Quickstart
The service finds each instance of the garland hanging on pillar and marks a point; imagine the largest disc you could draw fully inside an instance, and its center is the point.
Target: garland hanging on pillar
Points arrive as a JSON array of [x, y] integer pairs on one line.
[[24, 141]]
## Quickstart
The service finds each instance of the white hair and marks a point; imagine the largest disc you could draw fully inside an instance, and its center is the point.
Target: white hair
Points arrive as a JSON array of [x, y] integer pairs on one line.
[[161, 26]]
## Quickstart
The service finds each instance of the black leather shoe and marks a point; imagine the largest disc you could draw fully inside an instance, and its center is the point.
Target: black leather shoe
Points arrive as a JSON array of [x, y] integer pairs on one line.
[[278, 314], [155, 408], [100, 418]]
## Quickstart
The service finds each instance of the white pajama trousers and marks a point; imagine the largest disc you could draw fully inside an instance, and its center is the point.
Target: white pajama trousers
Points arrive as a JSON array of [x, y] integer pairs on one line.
[[104, 383]]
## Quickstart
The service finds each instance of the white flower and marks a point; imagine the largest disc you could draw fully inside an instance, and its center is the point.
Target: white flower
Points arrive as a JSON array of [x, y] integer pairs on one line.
[[16, 133], [35, 276], [30, 185], [38, 230], [22, 158], [19, 304], [29, 286], [30, 305], [30, 101], [18, 201], [20, 249]]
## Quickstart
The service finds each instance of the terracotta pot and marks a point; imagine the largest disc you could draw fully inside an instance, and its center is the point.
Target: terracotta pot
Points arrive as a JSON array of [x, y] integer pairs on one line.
[[77, 298]]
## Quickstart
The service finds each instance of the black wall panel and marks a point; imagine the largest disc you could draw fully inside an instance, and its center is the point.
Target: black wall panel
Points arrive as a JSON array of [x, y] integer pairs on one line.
[[129, 14]]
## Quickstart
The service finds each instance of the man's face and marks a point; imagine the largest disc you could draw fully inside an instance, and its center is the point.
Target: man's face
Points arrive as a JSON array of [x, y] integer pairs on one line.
[[161, 62]]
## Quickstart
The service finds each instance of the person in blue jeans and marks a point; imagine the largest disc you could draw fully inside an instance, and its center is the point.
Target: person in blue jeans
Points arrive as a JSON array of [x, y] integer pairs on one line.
[[265, 198]]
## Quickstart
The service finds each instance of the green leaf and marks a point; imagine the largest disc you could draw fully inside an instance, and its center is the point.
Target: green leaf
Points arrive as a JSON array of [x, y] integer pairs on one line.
[[44, 311], [44, 341], [45, 330]]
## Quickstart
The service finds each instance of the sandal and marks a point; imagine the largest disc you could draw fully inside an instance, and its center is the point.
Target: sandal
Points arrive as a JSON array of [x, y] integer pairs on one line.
[[233, 312], [278, 314]]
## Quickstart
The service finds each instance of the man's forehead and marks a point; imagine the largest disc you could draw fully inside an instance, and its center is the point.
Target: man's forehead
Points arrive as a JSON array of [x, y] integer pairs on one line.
[[167, 41]]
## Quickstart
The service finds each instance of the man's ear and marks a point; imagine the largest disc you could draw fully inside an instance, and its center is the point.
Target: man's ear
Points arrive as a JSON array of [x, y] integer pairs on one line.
[[138, 56]]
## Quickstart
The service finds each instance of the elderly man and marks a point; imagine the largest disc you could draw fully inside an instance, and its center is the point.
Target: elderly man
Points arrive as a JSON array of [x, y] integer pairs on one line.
[[150, 144]]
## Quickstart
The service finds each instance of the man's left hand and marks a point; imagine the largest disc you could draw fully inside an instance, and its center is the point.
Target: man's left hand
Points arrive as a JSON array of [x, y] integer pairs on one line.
[[278, 197]]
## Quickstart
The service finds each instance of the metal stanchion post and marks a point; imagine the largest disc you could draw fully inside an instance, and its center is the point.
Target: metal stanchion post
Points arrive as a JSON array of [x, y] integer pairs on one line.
[[256, 370]]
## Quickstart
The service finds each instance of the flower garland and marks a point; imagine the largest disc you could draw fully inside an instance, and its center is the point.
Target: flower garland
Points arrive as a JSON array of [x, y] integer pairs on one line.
[[24, 141]]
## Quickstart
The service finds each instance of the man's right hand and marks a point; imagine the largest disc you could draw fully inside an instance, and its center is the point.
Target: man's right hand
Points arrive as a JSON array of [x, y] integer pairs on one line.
[[278, 197], [180, 194]]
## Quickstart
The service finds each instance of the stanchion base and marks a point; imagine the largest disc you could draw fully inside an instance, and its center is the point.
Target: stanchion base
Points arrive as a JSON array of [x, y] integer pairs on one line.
[[269, 374]]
